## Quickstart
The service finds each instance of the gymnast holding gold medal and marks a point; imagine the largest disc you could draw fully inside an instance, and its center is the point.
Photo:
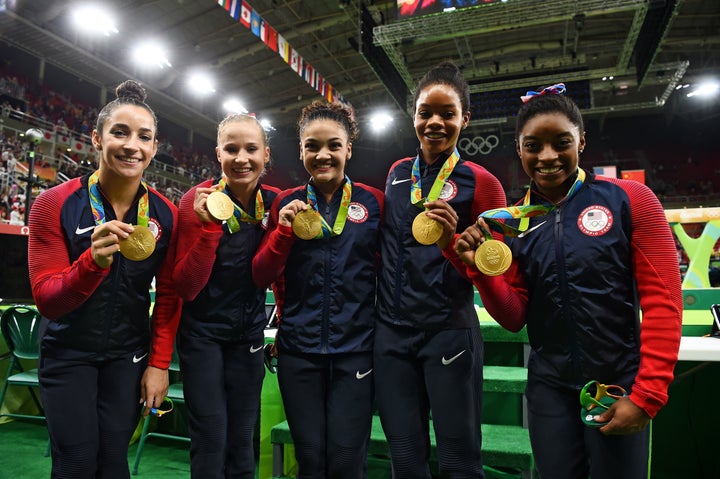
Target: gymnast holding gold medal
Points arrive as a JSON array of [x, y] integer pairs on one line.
[[322, 247], [220, 340]]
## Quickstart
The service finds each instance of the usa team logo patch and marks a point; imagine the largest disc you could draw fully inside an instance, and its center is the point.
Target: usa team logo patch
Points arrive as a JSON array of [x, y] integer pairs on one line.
[[449, 190], [155, 228], [595, 220], [357, 213]]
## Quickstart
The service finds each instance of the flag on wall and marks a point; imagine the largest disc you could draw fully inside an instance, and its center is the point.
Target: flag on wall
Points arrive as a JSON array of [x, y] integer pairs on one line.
[[235, 9], [272, 40], [608, 171], [255, 23], [635, 175], [283, 48], [245, 14], [263, 31], [241, 11]]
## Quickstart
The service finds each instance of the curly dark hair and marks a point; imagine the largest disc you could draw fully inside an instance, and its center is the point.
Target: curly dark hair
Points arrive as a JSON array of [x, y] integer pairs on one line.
[[342, 113]]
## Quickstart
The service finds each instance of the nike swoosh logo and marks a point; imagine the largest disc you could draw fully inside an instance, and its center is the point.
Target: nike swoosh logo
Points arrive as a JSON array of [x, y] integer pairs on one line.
[[448, 361], [395, 181], [255, 350], [79, 231], [524, 233], [360, 375], [135, 358]]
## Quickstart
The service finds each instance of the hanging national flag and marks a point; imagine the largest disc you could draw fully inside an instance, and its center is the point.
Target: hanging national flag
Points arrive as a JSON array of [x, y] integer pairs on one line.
[[272, 41], [245, 14], [79, 146], [608, 171], [235, 9], [255, 23], [61, 138], [283, 48], [635, 175], [329, 92], [225, 4], [309, 75], [320, 86], [294, 57], [263, 31]]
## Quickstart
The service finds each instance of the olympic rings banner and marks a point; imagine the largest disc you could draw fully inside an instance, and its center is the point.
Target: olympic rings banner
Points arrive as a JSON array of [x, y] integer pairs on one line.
[[479, 144]]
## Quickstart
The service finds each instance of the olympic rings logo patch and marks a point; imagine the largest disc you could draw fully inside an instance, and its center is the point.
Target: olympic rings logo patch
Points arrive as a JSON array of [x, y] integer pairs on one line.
[[479, 144], [595, 220]]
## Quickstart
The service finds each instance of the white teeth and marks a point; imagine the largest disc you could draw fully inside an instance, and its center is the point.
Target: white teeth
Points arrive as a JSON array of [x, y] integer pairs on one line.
[[549, 170]]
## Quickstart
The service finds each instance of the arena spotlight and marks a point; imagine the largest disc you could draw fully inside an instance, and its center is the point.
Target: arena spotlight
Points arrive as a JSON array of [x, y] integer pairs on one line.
[[233, 105], [201, 83], [707, 89], [94, 19], [380, 121], [151, 54]]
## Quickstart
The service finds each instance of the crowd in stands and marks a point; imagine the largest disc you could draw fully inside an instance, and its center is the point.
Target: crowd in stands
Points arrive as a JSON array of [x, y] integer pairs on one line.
[[67, 123]]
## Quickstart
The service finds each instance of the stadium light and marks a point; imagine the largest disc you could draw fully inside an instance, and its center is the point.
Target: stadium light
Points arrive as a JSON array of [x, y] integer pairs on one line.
[[201, 83], [151, 54], [94, 19], [380, 121], [706, 89]]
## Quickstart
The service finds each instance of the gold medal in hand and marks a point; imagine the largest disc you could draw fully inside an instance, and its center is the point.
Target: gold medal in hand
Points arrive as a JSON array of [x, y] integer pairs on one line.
[[139, 245], [219, 205], [426, 230], [493, 257], [307, 224]]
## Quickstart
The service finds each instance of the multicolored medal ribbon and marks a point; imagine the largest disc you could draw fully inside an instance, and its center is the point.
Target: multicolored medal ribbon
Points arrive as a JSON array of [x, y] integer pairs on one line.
[[310, 224], [223, 208], [493, 257], [426, 230], [140, 244]]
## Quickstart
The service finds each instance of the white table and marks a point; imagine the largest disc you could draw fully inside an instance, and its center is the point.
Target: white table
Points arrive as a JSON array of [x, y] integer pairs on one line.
[[698, 348]]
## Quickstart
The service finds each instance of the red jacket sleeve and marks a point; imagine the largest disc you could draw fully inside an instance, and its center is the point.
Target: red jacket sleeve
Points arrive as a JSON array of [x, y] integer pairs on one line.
[[58, 286], [488, 195], [196, 248], [658, 281], [168, 306]]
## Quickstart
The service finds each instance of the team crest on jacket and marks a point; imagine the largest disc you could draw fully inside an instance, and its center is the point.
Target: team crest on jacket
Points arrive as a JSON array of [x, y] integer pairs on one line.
[[155, 228], [264, 221], [449, 190], [357, 213], [595, 220]]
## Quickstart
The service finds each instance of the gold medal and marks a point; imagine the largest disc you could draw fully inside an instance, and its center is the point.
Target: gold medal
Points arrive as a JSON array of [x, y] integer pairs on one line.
[[139, 245], [220, 206], [493, 257], [307, 224], [426, 230]]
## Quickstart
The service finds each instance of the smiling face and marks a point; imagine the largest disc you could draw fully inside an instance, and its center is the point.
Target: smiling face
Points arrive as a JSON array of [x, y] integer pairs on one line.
[[549, 146], [127, 142], [438, 120], [242, 153], [324, 149]]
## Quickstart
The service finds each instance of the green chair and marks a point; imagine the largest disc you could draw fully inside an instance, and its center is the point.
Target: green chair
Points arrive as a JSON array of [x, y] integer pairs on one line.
[[19, 325], [175, 394]]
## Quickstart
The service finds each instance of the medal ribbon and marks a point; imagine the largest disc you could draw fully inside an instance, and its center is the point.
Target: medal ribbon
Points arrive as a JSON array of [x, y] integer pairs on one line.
[[496, 218], [98, 210], [447, 168], [233, 223], [341, 217]]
